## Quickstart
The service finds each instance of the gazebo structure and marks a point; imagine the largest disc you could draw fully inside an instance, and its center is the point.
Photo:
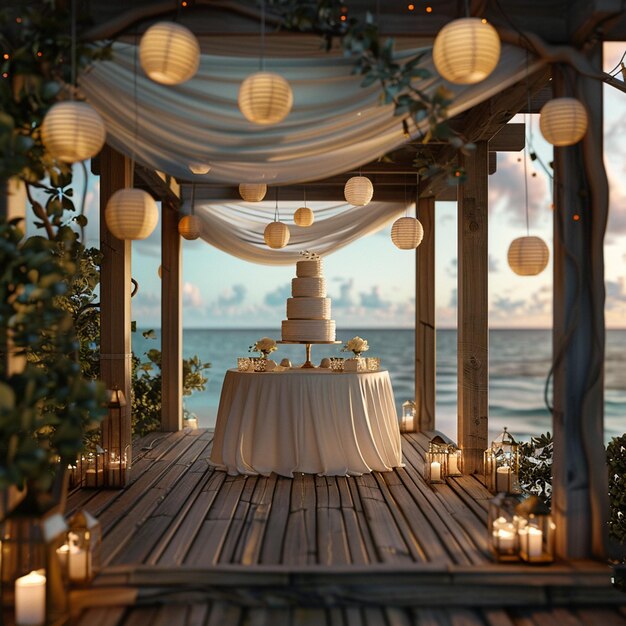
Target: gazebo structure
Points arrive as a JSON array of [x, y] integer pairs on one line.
[[317, 548]]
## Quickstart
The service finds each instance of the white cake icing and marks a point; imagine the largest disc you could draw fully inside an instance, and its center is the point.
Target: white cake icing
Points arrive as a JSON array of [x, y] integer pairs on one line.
[[310, 267], [308, 312], [308, 287], [308, 308], [308, 330]]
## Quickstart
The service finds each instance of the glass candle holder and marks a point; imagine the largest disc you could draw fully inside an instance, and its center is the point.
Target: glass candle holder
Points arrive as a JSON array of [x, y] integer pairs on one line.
[[373, 363], [258, 363], [336, 363], [243, 364]]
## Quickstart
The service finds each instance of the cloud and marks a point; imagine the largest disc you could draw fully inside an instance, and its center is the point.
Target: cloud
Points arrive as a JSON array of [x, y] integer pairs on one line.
[[192, 297], [454, 298], [279, 296], [373, 300], [345, 299], [615, 292], [504, 306], [493, 263], [232, 297], [452, 269]]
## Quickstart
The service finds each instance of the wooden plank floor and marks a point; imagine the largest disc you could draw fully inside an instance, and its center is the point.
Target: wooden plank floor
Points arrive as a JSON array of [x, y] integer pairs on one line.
[[186, 544], [179, 511]]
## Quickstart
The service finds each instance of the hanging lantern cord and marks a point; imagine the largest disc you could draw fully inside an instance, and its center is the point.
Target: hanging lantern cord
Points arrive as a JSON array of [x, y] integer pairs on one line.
[[467, 8], [305, 195], [276, 216], [73, 39], [193, 197], [262, 59], [417, 195], [526, 191]]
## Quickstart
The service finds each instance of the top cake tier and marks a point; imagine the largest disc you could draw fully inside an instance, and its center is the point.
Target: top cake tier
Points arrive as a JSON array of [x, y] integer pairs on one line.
[[308, 268]]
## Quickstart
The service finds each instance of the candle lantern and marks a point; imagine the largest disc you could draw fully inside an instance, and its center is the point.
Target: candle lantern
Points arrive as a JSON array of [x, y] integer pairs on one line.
[[436, 465], [535, 531], [34, 577], [408, 418], [88, 470], [501, 464], [115, 437], [82, 548], [502, 527], [455, 460]]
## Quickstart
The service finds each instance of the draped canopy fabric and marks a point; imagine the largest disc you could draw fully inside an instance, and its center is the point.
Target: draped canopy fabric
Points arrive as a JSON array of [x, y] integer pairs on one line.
[[335, 124]]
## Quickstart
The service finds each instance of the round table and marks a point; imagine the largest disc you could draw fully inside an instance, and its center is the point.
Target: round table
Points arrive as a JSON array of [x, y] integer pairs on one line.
[[306, 420]]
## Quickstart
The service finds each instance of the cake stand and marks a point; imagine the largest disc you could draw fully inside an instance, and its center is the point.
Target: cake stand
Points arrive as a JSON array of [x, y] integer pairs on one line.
[[307, 364]]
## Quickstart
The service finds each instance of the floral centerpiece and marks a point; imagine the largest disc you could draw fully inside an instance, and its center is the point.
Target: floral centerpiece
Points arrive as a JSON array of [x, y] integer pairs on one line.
[[356, 345], [264, 346]]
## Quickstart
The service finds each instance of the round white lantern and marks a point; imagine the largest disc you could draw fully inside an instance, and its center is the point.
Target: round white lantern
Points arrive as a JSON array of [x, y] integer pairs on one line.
[[303, 217], [252, 192], [169, 53], [407, 233], [563, 121], [131, 214], [466, 50], [189, 227], [276, 235], [265, 98], [199, 168], [73, 131], [358, 190], [528, 256]]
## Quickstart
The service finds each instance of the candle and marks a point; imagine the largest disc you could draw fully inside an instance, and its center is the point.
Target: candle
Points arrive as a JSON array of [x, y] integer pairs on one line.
[[505, 539], [94, 478], [79, 563], [192, 422], [30, 600], [532, 540], [435, 471], [453, 460], [503, 475]]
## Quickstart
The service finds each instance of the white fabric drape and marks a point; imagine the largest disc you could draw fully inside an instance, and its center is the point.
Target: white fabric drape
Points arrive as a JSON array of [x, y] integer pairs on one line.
[[238, 229], [335, 125]]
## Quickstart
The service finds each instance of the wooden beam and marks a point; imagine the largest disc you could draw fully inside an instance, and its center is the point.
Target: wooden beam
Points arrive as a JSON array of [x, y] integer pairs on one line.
[[171, 321], [115, 290], [579, 500], [473, 332], [425, 329]]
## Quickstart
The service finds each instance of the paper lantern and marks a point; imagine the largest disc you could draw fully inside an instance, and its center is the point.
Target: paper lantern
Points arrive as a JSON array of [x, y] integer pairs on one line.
[[199, 168], [466, 50], [265, 98], [304, 216], [131, 214], [169, 53], [358, 190], [276, 235], [407, 233], [189, 227], [73, 131], [528, 256], [563, 121], [252, 192]]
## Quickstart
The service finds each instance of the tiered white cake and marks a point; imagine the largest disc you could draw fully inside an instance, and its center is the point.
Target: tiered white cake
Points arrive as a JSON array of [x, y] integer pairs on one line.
[[308, 312]]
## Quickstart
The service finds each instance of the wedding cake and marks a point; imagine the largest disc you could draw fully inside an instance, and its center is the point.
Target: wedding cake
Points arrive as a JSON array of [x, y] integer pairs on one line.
[[308, 311]]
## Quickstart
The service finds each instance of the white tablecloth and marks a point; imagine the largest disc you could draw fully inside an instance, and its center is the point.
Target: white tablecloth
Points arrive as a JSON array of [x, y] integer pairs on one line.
[[313, 421]]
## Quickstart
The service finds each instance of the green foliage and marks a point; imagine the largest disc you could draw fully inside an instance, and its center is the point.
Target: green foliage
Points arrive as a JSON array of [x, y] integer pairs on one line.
[[147, 379], [616, 460], [36, 36], [536, 466], [45, 408]]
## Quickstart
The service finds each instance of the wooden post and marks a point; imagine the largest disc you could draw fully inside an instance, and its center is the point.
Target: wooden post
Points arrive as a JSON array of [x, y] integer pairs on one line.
[[473, 331], [171, 321], [115, 290], [579, 500], [425, 332]]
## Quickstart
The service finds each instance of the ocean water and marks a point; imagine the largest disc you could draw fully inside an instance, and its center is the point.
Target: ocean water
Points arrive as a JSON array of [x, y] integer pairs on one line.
[[519, 362]]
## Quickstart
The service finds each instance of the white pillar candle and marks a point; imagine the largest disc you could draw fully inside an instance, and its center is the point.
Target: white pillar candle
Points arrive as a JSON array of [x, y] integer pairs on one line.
[[506, 539], [502, 478], [435, 470], [533, 539], [76, 560], [30, 600]]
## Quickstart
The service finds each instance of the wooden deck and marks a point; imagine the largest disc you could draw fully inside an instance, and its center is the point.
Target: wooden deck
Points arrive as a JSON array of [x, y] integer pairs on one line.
[[186, 544]]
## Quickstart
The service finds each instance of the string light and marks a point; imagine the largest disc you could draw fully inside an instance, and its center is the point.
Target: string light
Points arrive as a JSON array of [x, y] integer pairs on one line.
[[429, 9], [411, 7], [576, 217]]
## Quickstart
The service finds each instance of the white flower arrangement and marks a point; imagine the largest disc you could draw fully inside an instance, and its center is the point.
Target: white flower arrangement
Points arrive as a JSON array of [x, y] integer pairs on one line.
[[356, 345], [264, 346]]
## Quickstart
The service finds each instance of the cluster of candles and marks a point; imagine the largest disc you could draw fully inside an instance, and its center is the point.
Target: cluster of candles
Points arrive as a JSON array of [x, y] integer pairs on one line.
[[521, 530], [99, 469], [443, 459]]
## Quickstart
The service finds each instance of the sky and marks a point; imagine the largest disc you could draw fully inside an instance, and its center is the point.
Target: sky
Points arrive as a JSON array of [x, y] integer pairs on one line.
[[372, 283]]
